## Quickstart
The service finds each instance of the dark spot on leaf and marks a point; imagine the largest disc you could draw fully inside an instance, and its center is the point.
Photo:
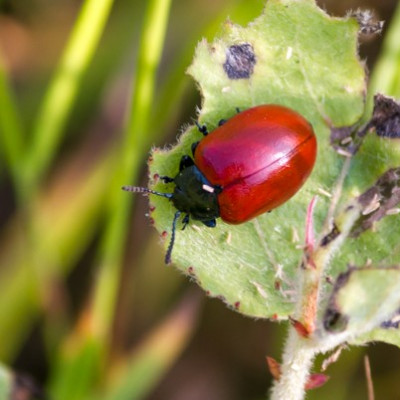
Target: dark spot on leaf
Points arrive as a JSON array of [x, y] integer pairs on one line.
[[277, 284], [191, 271], [393, 322], [367, 21], [151, 221], [240, 61], [156, 177], [386, 117], [334, 320], [332, 235], [383, 196], [343, 278], [385, 120], [164, 234], [237, 305], [342, 140], [152, 208], [346, 140]]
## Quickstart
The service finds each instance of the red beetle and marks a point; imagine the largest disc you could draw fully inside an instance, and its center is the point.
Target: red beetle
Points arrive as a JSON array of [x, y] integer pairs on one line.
[[249, 165]]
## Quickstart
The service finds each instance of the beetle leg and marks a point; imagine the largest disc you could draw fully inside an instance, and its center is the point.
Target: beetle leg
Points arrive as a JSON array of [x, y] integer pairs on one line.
[[201, 128], [222, 121], [194, 147], [211, 223], [185, 221], [186, 162], [172, 241], [166, 179]]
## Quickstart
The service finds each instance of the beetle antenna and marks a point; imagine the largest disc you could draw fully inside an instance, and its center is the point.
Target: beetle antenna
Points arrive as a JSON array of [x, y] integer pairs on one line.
[[171, 243], [137, 189]]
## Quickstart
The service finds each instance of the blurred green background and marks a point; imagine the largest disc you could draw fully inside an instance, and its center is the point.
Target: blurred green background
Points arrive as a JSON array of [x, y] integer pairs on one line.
[[87, 308]]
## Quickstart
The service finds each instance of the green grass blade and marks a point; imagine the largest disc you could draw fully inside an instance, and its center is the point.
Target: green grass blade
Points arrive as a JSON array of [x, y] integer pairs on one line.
[[90, 345], [11, 131], [64, 87], [80, 366], [58, 247], [386, 74], [134, 144]]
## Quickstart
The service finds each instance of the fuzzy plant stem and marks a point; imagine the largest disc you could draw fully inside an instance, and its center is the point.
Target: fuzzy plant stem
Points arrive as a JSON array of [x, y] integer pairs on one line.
[[301, 348], [297, 361]]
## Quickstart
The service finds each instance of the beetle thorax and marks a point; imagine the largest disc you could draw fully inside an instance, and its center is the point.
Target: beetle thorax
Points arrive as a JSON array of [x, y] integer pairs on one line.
[[195, 195]]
